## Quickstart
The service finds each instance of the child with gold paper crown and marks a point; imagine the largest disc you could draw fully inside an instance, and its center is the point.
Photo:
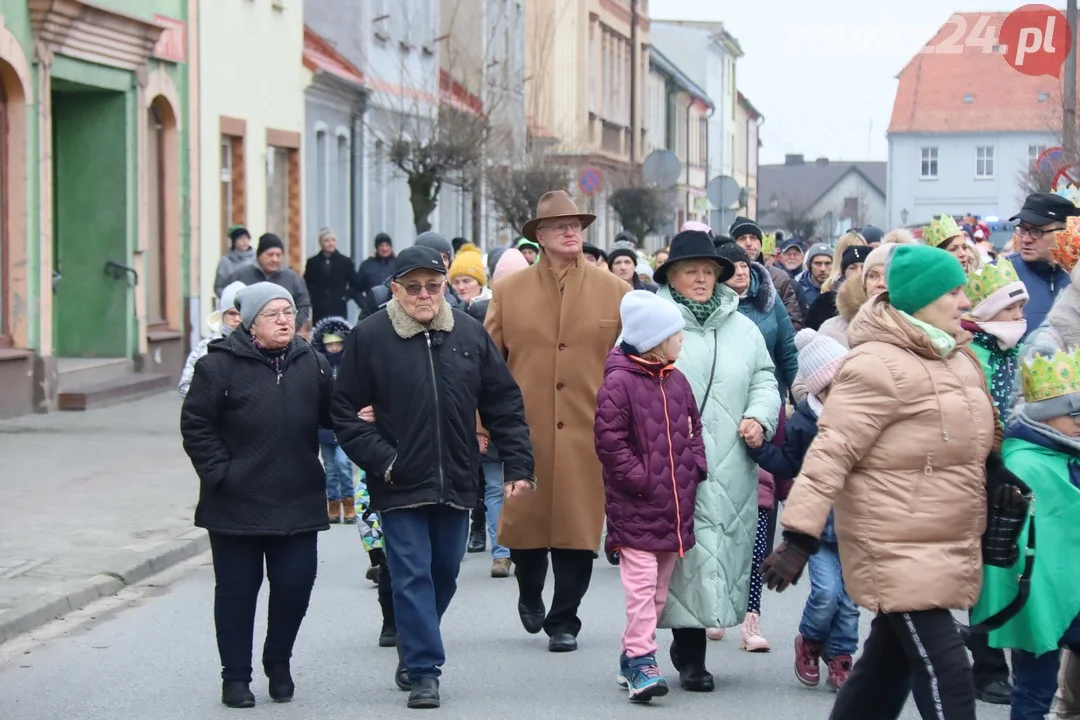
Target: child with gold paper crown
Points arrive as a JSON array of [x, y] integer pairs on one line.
[[1042, 448]]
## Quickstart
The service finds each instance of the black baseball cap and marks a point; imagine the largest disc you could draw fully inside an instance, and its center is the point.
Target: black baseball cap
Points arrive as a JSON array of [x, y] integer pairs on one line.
[[418, 257], [872, 234], [792, 243], [1045, 208]]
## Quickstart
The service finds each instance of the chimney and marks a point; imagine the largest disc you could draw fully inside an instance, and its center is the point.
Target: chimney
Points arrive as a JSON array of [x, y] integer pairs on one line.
[[793, 160], [822, 161]]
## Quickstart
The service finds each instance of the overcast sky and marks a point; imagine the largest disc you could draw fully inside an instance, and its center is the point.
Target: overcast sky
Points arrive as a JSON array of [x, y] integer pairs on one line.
[[824, 73]]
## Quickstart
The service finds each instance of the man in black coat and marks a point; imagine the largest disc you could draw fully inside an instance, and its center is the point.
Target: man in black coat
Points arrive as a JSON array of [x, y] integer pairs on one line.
[[331, 280], [419, 394], [376, 269]]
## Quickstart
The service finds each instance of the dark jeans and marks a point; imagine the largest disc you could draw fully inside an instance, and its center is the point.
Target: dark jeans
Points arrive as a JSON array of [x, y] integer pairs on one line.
[[573, 572], [690, 643], [291, 563], [1035, 677], [919, 653], [424, 548]]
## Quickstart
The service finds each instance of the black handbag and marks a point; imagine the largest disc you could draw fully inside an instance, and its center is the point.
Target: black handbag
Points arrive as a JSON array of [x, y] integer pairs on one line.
[[1000, 541]]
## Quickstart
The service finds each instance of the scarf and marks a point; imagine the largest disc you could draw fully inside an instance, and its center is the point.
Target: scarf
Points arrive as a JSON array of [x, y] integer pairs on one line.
[[1003, 368], [942, 342], [276, 356], [701, 311]]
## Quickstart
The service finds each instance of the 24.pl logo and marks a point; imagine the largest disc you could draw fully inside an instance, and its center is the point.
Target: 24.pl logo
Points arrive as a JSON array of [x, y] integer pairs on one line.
[[1033, 39]]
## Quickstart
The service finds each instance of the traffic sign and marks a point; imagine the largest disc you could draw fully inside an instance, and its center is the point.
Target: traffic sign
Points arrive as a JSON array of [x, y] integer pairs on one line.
[[590, 180]]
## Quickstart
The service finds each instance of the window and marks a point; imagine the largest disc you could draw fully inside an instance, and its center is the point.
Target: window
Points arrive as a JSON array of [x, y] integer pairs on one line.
[[929, 166], [226, 185], [851, 209], [155, 191], [322, 179], [1034, 151], [343, 199], [984, 162], [603, 73], [277, 191], [703, 135], [592, 68]]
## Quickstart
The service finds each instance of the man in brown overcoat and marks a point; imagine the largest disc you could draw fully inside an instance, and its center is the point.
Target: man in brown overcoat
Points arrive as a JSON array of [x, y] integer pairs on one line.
[[555, 323]]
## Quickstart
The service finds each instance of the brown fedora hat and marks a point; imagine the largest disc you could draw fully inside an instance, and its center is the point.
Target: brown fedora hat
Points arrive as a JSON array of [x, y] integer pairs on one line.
[[553, 205]]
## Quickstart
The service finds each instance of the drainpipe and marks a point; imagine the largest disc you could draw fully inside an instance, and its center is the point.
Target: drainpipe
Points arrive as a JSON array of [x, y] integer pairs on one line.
[[356, 209], [757, 158], [633, 81], [712, 111], [689, 107]]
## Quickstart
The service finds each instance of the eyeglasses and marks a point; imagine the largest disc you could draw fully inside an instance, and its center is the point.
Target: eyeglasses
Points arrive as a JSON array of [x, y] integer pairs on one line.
[[433, 288], [272, 315], [1035, 233], [563, 228]]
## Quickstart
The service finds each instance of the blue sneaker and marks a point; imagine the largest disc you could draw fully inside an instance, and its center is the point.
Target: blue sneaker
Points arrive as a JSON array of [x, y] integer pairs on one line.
[[624, 670], [645, 681]]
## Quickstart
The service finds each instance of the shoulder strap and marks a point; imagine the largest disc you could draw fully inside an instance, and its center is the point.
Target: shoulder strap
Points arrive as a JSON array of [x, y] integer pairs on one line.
[[1023, 589], [712, 372]]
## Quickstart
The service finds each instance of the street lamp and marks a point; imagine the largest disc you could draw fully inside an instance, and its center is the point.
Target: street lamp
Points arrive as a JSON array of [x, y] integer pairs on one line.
[[903, 216]]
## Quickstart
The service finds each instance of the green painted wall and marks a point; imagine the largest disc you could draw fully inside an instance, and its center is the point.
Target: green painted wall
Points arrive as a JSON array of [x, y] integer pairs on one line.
[[93, 222]]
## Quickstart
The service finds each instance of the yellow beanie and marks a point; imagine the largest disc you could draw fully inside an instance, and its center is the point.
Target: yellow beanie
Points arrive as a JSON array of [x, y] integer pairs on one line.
[[468, 263]]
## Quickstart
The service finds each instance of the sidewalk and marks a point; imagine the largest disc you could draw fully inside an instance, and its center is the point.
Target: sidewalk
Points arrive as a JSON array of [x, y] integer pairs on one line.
[[89, 502]]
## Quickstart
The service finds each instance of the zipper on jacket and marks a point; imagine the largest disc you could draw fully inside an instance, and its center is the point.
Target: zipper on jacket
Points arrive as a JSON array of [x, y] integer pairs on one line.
[[671, 464], [438, 418]]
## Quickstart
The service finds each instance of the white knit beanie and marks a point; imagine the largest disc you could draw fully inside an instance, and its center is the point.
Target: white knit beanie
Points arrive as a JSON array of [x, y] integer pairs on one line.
[[648, 320], [819, 359]]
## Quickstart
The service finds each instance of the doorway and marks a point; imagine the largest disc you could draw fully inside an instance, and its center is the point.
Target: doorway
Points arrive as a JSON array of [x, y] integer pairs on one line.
[[92, 312]]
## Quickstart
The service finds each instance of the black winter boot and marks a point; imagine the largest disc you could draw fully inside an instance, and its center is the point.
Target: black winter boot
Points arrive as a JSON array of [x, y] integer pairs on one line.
[[281, 686], [688, 657], [237, 694], [424, 694]]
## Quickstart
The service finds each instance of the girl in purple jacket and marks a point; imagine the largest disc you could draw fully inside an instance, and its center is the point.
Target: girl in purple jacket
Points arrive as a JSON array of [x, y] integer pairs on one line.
[[648, 438]]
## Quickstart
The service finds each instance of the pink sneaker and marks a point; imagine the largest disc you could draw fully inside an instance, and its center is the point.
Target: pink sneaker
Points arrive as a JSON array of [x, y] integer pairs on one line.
[[807, 655], [839, 669], [714, 633], [752, 641]]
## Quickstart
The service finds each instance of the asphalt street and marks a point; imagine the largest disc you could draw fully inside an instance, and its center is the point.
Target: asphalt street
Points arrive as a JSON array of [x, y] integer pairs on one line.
[[155, 657]]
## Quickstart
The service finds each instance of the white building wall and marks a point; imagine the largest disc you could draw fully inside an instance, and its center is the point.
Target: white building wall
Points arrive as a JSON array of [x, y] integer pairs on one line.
[[956, 189], [871, 203]]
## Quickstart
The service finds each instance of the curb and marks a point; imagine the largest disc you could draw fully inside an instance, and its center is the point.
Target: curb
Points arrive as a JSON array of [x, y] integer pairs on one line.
[[123, 571]]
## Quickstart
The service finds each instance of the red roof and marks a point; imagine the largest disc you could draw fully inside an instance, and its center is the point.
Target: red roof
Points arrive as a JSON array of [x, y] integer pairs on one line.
[[321, 55], [972, 91]]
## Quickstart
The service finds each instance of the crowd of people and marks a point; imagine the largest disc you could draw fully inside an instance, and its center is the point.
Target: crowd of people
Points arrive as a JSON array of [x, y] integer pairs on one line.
[[904, 399]]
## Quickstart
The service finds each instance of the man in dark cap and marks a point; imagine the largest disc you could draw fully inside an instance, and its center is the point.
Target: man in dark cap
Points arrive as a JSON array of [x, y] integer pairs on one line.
[[436, 370], [872, 235], [240, 255], [792, 256], [270, 266], [623, 263], [378, 297], [375, 270], [1039, 220], [747, 234]]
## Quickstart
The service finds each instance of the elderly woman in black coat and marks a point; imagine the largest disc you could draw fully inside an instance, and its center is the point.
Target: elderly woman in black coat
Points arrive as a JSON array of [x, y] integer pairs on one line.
[[250, 425]]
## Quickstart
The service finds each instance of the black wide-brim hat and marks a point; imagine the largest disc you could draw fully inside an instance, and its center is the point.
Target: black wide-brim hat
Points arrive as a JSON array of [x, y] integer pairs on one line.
[[693, 245]]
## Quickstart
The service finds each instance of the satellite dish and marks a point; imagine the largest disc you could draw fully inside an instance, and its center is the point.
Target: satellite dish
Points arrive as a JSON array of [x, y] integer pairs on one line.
[[723, 192], [662, 169]]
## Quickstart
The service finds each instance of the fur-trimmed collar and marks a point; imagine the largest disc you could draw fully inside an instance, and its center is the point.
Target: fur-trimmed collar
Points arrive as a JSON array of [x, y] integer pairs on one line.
[[849, 298], [1064, 316], [764, 295], [407, 328]]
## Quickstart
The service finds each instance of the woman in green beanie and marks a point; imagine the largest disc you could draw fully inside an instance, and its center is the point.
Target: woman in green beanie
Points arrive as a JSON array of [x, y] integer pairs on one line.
[[901, 452]]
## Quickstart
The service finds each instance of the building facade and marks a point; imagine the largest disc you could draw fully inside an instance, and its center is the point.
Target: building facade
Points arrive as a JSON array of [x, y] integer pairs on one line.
[[678, 121], [252, 130], [966, 129], [96, 156], [708, 54], [333, 150], [587, 69], [748, 120]]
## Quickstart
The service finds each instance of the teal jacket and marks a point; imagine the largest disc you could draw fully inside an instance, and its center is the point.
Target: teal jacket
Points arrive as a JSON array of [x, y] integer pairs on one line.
[[1054, 601]]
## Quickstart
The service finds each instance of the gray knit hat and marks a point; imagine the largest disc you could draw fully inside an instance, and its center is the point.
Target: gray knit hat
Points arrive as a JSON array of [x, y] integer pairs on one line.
[[251, 300], [436, 241]]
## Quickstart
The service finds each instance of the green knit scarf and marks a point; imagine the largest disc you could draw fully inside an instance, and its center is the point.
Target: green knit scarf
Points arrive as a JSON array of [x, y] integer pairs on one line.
[[701, 311]]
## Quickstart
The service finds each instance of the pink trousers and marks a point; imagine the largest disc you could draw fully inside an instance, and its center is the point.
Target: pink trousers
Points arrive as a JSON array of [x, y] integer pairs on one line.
[[646, 577]]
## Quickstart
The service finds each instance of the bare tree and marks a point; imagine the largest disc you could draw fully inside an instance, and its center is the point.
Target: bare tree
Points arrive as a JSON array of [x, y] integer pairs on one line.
[[641, 209], [515, 191], [797, 221], [1040, 178]]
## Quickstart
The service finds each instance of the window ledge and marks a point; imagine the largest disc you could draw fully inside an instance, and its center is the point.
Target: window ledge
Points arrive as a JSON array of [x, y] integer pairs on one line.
[[14, 354], [928, 179], [163, 335]]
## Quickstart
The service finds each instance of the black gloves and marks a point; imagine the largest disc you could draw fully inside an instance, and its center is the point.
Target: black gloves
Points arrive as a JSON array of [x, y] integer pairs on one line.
[[1007, 501], [785, 565]]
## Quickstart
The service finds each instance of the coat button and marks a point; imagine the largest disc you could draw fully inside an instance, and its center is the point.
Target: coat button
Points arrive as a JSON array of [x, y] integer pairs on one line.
[[562, 346], [559, 386], [560, 426]]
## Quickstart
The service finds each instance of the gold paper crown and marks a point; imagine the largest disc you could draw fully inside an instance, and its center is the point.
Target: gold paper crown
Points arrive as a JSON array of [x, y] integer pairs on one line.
[[987, 280], [1070, 193], [940, 230], [768, 244], [1045, 378], [1066, 248]]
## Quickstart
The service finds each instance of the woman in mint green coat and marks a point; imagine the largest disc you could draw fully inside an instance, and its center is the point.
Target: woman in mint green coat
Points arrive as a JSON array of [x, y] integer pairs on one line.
[[725, 359]]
